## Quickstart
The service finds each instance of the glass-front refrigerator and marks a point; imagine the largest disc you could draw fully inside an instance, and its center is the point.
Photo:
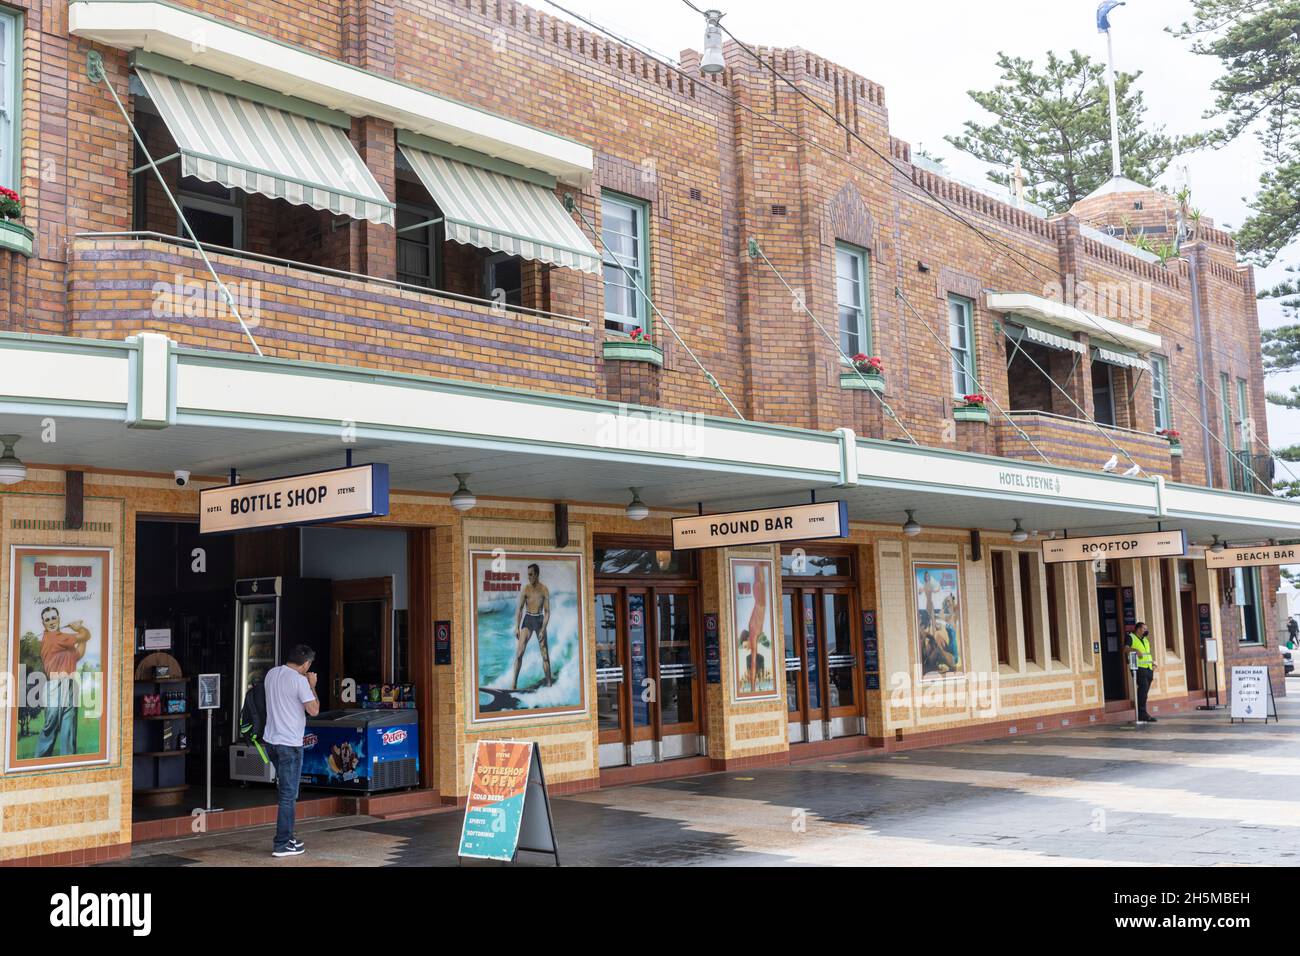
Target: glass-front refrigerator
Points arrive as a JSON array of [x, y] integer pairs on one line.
[[257, 635]]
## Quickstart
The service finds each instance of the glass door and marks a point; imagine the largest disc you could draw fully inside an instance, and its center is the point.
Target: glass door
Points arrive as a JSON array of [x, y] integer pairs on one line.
[[823, 682], [361, 638], [257, 638], [678, 688]]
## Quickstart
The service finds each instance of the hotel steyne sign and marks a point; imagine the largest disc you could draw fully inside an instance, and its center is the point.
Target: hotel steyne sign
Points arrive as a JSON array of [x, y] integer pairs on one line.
[[321, 496], [1260, 555], [1142, 544], [828, 519]]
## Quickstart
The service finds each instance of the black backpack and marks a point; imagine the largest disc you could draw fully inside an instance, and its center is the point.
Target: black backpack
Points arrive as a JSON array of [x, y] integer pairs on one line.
[[252, 718]]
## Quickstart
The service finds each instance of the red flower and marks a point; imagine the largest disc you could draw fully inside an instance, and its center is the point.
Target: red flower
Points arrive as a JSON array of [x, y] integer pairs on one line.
[[637, 334], [974, 399], [1170, 433]]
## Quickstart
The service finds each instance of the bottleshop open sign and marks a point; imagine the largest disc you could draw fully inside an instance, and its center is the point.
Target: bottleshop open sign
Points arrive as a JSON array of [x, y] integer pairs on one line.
[[321, 496], [1142, 544]]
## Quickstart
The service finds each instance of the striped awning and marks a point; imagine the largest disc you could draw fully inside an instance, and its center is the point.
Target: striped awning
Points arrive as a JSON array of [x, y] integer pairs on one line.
[[485, 208], [1126, 359], [1053, 340], [261, 149]]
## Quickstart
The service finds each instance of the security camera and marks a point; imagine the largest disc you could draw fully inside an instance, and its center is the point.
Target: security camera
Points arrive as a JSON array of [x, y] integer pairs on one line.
[[182, 478]]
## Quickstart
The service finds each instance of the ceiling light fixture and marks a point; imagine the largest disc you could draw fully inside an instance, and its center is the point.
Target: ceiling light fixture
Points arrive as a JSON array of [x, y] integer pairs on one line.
[[1217, 546], [1019, 534], [12, 470], [637, 510], [462, 499], [712, 62], [911, 527]]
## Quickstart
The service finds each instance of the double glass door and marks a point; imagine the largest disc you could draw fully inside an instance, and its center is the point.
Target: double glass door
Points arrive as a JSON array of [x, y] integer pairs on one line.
[[822, 682], [647, 689]]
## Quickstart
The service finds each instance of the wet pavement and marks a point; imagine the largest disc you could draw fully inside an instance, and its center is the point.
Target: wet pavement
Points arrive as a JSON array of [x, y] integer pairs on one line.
[[1189, 790]]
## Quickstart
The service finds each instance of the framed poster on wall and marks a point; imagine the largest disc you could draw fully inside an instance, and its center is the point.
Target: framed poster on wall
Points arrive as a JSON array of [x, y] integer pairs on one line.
[[754, 634], [938, 617], [527, 629], [60, 656]]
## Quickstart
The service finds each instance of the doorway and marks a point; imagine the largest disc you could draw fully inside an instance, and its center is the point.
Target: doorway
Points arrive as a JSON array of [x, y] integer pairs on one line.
[[822, 681], [1112, 646], [648, 695], [361, 636], [1191, 626]]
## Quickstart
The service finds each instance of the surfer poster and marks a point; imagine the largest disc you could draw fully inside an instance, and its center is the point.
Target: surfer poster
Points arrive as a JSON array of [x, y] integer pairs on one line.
[[755, 638], [528, 627]]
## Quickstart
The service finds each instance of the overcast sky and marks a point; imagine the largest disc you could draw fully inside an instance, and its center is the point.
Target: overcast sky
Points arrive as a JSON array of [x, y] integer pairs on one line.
[[928, 53]]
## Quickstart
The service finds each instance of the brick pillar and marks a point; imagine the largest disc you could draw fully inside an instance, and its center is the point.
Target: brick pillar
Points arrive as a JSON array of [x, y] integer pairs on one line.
[[374, 247]]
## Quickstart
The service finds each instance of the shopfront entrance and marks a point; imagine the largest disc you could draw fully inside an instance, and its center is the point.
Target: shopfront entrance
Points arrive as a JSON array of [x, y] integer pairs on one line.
[[1110, 620], [648, 694], [1191, 626], [823, 681]]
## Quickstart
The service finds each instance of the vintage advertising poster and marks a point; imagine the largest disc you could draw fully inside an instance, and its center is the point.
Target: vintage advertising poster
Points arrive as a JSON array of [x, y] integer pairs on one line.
[[60, 654], [938, 618], [528, 626], [754, 650], [494, 808]]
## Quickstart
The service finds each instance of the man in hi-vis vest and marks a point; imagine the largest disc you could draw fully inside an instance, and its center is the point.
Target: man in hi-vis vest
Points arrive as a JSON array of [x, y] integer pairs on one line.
[[1139, 638]]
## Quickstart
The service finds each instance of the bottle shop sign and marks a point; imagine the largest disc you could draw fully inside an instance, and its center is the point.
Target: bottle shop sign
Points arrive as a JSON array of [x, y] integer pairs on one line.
[[1259, 556], [829, 519], [1142, 544], [321, 496]]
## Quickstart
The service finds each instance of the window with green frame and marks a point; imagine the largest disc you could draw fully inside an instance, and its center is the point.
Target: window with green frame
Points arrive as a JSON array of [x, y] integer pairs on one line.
[[961, 345], [1249, 605], [853, 298], [1160, 390], [1229, 436], [10, 45], [624, 229]]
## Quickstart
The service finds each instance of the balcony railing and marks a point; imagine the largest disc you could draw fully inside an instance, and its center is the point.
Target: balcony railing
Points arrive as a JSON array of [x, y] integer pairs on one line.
[[1250, 472], [1078, 443]]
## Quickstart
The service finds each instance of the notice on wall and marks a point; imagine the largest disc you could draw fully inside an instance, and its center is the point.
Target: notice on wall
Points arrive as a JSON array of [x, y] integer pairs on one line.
[[507, 809], [1142, 544], [1259, 556], [1252, 694], [321, 496]]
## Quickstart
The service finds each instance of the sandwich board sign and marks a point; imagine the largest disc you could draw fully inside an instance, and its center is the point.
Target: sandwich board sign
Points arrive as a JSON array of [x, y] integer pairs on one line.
[[1252, 695], [508, 809]]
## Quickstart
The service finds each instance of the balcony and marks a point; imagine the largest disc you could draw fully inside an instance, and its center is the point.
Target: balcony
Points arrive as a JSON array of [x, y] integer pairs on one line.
[[1073, 442], [1251, 473], [120, 284]]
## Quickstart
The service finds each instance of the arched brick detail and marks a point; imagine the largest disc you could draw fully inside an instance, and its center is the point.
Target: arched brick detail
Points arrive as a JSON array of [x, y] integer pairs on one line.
[[850, 219]]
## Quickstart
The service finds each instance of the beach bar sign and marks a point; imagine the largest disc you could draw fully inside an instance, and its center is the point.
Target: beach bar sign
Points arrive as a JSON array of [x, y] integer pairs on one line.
[[321, 496], [1258, 556], [1141, 544]]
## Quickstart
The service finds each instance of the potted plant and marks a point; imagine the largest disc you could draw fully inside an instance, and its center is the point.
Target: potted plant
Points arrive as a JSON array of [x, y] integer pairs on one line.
[[868, 373], [13, 234], [637, 347], [1175, 440], [973, 408]]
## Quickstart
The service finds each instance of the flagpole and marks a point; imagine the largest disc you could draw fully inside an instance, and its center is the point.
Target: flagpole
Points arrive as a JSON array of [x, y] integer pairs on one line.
[[1114, 112]]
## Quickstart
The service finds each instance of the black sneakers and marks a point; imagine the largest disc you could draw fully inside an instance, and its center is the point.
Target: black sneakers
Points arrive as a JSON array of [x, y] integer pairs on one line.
[[292, 849]]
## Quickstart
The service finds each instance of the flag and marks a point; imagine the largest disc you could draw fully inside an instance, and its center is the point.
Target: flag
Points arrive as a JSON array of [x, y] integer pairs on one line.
[[1103, 14]]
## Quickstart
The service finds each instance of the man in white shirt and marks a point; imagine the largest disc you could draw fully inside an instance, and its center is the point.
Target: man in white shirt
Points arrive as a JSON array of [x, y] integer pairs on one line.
[[290, 699]]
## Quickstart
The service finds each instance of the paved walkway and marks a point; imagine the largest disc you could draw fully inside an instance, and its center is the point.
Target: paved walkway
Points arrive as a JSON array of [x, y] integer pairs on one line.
[[1188, 790]]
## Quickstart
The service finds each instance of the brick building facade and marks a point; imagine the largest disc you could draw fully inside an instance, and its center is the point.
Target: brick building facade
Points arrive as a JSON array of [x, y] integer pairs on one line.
[[740, 191]]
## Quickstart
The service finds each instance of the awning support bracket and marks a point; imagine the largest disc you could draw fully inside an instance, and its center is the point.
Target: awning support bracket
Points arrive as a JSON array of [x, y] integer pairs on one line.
[[95, 71]]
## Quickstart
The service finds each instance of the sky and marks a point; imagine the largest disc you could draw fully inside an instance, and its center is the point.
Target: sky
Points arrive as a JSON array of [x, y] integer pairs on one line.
[[928, 53]]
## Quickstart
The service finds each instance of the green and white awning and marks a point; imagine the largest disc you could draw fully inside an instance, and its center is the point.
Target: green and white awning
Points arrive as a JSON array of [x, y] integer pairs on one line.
[[492, 210], [1052, 340], [258, 148], [1125, 359]]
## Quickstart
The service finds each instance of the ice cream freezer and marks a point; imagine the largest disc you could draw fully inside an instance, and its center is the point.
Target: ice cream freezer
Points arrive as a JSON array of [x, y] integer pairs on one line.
[[361, 750]]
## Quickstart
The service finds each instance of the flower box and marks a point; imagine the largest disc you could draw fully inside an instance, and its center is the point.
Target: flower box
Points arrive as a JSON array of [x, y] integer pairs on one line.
[[970, 413], [16, 237], [1175, 450], [626, 350], [865, 381]]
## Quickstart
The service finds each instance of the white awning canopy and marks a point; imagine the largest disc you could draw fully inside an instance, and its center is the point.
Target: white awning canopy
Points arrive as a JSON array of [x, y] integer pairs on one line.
[[1052, 340], [1072, 319], [493, 210], [258, 148], [1125, 359]]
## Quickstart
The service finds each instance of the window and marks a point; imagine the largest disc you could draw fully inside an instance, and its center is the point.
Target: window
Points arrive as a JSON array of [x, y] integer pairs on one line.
[[213, 212], [417, 246], [1000, 605], [1246, 431], [10, 44], [1160, 390], [853, 296], [503, 279], [1236, 476], [1027, 595], [1050, 573], [961, 341], [1246, 597], [626, 262], [1168, 589], [1103, 393]]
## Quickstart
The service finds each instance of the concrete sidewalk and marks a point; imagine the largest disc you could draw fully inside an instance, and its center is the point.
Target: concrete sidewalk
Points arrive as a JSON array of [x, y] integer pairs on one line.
[[1190, 790]]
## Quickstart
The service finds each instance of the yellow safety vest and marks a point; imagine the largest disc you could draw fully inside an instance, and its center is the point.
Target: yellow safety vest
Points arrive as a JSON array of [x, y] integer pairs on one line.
[[1144, 651]]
